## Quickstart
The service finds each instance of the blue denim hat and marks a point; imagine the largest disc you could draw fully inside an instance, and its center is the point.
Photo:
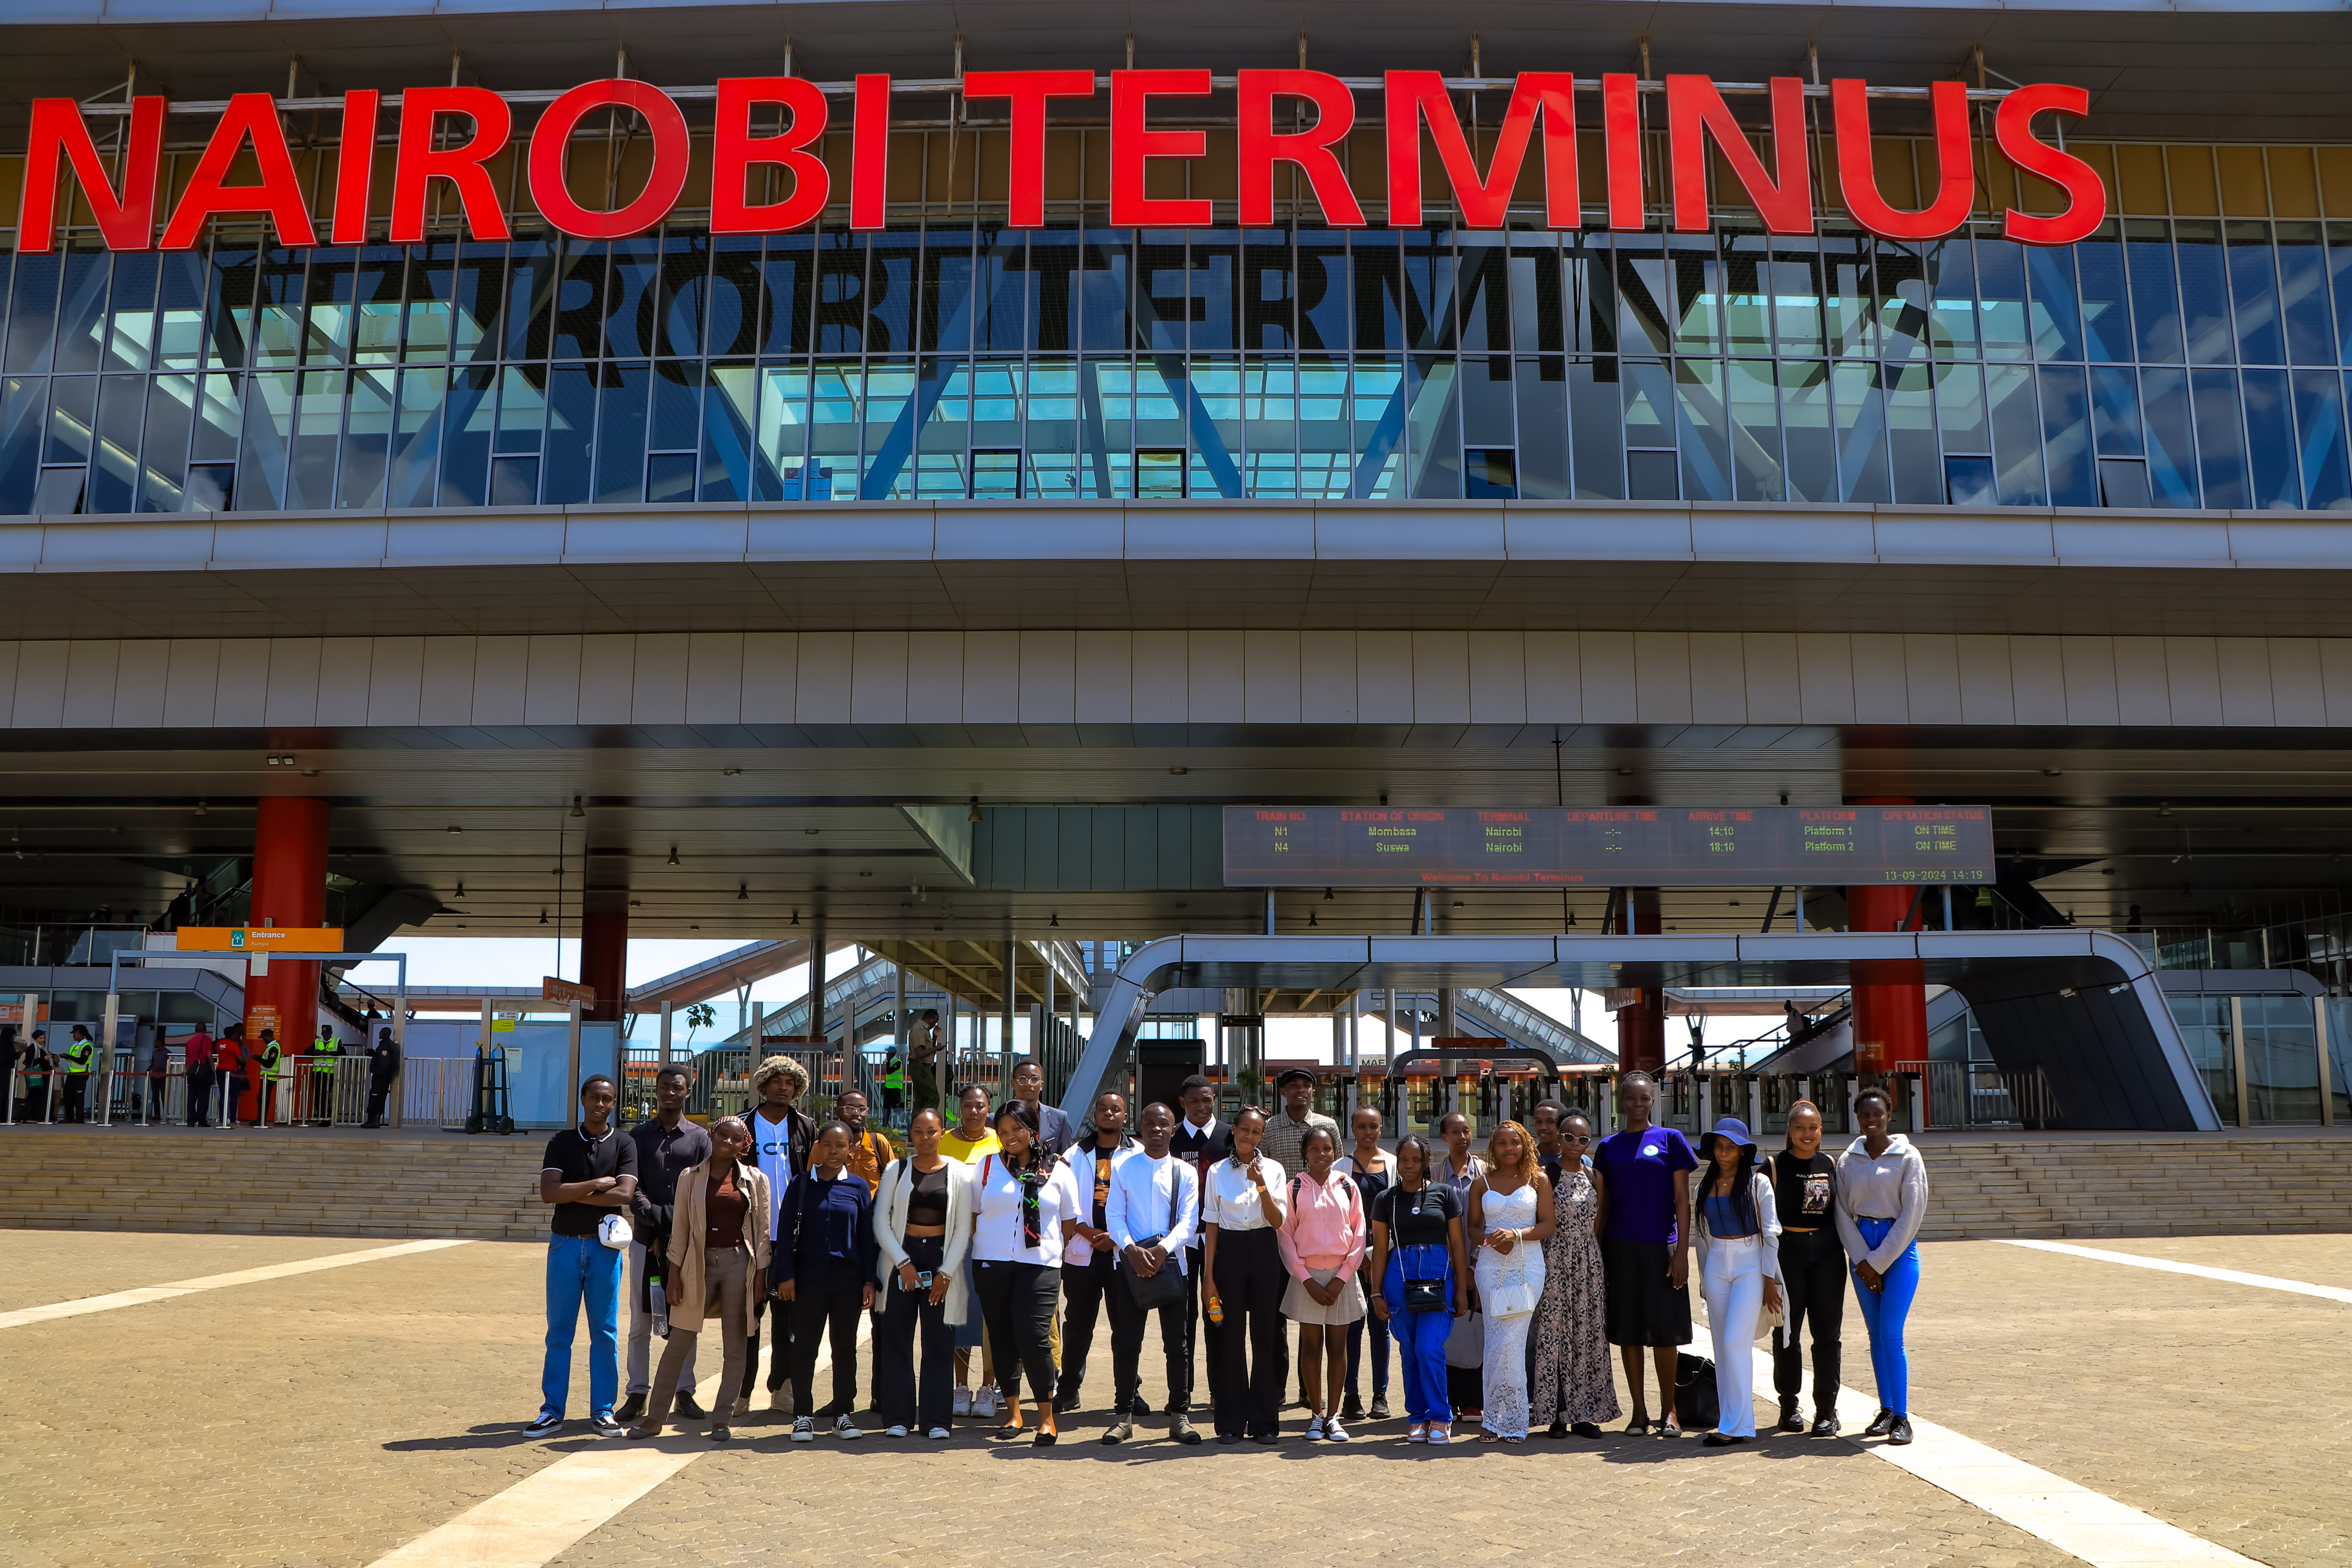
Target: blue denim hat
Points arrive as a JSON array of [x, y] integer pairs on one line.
[[1730, 1127]]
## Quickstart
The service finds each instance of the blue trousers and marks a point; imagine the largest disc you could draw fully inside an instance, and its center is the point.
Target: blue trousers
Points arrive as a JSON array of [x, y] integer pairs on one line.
[[1357, 1348], [1883, 1311], [583, 1271], [1421, 1336]]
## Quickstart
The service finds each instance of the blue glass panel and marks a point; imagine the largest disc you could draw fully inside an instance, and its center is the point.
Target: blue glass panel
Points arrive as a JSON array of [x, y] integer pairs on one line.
[[180, 312], [1861, 431], [377, 279], [1326, 454], [1215, 282], [2205, 294], [2057, 319], [1646, 309], [2004, 320], [2303, 295], [23, 404], [469, 421], [2221, 437], [1911, 451], [1055, 308], [368, 425], [1754, 396], [431, 275], [268, 432], [787, 293], [531, 293], [1164, 297], [1793, 276], [1429, 289], [478, 301], [2016, 424], [81, 312], [1485, 293], [2071, 466], [841, 290], [944, 439], [1905, 317], [629, 296], [1849, 304], [1105, 287], [2253, 290], [567, 477], [130, 313], [1592, 293], [228, 304], [1213, 419], [163, 463], [115, 467], [675, 421], [2171, 442], [1807, 430], [947, 305], [1702, 427], [730, 405], [1003, 295], [522, 410], [670, 478], [1269, 290], [2270, 441], [1324, 301], [33, 315], [1969, 481], [327, 321], [1543, 388], [623, 396], [1647, 390], [580, 299], [2319, 429], [1539, 322], [2340, 284], [783, 427], [2156, 292], [1378, 263], [891, 291], [1952, 280], [685, 292], [1597, 429], [1434, 432], [2115, 411], [2106, 298], [416, 439], [1960, 411], [1378, 397], [1487, 401], [1059, 467], [897, 404]]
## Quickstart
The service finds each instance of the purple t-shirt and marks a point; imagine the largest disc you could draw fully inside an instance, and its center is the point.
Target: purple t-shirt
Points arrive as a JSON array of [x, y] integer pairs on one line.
[[1639, 1170]]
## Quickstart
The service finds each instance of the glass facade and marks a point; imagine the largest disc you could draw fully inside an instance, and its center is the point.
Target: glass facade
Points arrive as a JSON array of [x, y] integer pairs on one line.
[[2163, 362]]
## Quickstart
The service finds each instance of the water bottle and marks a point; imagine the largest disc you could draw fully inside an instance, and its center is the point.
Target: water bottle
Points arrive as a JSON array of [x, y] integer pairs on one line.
[[661, 1310]]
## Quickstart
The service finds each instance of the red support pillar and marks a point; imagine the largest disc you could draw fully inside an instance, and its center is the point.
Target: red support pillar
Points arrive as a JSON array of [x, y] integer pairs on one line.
[[1890, 996], [604, 955], [1641, 1027], [289, 889]]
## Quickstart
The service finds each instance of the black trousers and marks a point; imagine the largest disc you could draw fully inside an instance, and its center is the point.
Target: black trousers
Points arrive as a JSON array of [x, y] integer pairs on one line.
[[1252, 1353], [1127, 1325], [380, 1096], [817, 1309], [779, 1315], [895, 1393], [1016, 1303], [78, 1097], [1198, 1332], [1812, 1273], [200, 1098], [1084, 1291]]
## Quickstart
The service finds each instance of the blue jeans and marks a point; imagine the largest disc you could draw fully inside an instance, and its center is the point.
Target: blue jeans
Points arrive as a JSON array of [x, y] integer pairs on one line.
[[1883, 1311], [1421, 1336], [1380, 1353], [582, 1270]]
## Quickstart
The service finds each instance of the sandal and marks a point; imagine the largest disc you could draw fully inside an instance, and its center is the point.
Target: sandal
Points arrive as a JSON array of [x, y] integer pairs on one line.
[[1668, 1429], [1486, 1437], [1636, 1426]]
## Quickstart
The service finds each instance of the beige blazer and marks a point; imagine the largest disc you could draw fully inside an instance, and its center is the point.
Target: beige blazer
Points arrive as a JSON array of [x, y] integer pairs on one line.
[[690, 1217]]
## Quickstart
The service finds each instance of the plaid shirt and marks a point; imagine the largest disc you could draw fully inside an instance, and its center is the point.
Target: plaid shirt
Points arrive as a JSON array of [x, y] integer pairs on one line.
[[1283, 1136]]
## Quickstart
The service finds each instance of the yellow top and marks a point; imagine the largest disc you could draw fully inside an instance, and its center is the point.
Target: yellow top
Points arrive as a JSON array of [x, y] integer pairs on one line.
[[968, 1149]]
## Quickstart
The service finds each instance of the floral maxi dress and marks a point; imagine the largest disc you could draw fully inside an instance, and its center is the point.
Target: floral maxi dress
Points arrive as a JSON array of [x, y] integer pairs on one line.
[[1573, 1379]]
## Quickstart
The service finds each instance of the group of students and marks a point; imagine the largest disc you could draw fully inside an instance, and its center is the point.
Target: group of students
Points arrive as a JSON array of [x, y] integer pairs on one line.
[[1004, 1237]]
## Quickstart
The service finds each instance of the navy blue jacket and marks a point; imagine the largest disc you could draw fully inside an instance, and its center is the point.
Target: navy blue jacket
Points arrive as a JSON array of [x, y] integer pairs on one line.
[[822, 1223]]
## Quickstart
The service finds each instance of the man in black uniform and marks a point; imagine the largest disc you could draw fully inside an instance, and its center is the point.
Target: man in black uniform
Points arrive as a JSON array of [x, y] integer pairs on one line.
[[1203, 1140]]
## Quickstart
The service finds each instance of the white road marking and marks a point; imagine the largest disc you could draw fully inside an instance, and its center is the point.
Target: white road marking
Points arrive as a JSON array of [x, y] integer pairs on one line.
[[146, 1293], [2201, 1272], [535, 1521], [2087, 1524]]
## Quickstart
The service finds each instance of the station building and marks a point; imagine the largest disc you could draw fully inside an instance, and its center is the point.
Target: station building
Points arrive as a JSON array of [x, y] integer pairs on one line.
[[714, 469]]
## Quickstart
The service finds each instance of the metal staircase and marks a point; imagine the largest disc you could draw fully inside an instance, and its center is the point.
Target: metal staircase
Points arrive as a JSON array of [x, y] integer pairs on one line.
[[1483, 1010]]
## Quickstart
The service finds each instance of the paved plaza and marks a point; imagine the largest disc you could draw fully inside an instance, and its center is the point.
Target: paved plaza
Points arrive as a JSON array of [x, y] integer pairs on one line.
[[327, 1415]]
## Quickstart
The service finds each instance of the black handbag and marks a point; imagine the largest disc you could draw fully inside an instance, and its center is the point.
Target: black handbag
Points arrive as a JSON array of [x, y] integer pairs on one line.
[[1423, 1295], [1695, 1407], [1166, 1287]]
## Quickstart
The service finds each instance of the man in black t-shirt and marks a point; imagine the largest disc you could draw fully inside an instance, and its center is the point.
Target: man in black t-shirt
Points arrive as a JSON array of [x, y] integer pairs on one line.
[[589, 1175]]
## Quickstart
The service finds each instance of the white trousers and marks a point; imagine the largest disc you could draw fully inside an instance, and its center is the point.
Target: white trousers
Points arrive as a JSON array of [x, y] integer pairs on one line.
[[1733, 1284], [641, 1332]]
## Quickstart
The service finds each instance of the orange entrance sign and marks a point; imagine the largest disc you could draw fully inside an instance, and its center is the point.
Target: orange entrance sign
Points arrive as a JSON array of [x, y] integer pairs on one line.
[[552, 989], [269, 940]]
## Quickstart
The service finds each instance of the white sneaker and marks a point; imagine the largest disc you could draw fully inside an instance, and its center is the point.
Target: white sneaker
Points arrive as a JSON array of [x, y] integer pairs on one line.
[[939, 1433], [1333, 1431], [1315, 1429], [963, 1402], [1416, 1432], [843, 1426], [804, 1428], [984, 1403], [895, 1432]]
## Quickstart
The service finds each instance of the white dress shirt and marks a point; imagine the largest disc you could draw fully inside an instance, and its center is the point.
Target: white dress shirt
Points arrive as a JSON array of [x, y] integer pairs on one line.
[[1140, 1190], [997, 1210], [1230, 1202]]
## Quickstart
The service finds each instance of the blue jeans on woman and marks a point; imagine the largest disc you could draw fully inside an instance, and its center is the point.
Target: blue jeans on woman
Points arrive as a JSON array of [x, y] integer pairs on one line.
[[1421, 1336], [1883, 1311]]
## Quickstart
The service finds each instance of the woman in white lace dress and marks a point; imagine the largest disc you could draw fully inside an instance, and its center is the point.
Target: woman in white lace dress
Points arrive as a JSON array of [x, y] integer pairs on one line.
[[1511, 1216]]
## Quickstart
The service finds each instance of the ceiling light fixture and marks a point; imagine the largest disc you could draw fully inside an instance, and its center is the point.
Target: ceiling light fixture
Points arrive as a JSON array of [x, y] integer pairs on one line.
[[1326, 895], [575, 807], [796, 917], [1055, 921], [743, 892], [542, 917], [673, 855], [455, 829], [974, 814]]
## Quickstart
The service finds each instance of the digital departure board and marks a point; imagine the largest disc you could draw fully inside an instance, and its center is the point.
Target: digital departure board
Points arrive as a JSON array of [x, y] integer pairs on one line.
[[1609, 846]]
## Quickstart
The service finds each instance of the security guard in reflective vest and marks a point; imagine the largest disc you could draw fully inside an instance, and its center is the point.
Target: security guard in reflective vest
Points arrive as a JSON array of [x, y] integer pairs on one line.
[[894, 1086], [78, 1054], [326, 1053], [264, 1100]]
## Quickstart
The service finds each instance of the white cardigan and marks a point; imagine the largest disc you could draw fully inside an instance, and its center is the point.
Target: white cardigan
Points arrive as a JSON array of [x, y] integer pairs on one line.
[[890, 1229], [1768, 1218]]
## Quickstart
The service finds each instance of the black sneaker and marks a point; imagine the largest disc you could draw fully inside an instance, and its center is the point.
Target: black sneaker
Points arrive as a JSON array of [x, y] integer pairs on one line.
[[1379, 1406], [634, 1407], [1352, 1409], [1142, 1407], [1900, 1433], [687, 1408], [1825, 1424], [1789, 1420], [605, 1426], [1065, 1403], [545, 1426]]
